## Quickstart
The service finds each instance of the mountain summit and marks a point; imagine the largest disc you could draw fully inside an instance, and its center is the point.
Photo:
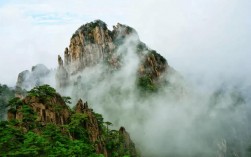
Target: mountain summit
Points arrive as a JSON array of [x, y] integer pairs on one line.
[[93, 43]]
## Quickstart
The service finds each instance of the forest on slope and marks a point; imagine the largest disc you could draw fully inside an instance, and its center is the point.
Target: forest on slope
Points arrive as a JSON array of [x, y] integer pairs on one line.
[[41, 124]]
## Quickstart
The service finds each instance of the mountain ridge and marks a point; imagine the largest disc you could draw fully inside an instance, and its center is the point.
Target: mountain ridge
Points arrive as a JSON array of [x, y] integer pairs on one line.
[[43, 107]]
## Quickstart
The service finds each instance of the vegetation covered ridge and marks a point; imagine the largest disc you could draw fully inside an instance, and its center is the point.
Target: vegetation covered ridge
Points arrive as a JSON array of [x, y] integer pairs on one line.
[[41, 124]]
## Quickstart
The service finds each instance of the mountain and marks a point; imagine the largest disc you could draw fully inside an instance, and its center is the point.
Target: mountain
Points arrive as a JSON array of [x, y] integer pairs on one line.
[[112, 69], [93, 47], [93, 43], [133, 86], [42, 124]]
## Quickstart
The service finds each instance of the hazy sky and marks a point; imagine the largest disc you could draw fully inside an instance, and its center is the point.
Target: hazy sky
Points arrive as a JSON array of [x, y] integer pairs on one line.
[[200, 38]]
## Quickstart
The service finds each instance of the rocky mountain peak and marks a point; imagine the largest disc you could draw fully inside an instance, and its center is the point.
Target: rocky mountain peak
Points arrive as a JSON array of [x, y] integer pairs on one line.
[[81, 107], [93, 43]]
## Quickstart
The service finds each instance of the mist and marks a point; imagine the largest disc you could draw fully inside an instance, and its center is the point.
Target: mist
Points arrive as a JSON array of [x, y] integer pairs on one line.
[[205, 40], [204, 113], [184, 118]]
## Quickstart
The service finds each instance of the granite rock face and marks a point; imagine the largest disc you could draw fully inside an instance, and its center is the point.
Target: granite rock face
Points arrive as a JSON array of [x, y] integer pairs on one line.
[[92, 127], [94, 43], [88, 46], [53, 111]]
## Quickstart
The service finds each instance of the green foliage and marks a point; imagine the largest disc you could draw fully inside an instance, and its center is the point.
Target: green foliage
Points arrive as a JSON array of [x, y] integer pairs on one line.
[[67, 99], [107, 124], [50, 142], [28, 137], [29, 117], [76, 128], [145, 84], [43, 92], [115, 144], [113, 140], [158, 57], [61, 145], [88, 29], [15, 103], [141, 47], [99, 118], [5, 95], [77, 119], [11, 139], [33, 144]]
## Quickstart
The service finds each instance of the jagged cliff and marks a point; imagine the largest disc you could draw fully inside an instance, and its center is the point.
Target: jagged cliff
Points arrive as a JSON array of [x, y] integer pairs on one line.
[[92, 127], [43, 106], [94, 43], [53, 110]]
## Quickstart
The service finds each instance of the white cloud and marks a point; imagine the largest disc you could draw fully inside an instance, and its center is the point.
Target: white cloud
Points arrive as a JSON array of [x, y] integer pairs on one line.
[[197, 37], [207, 37]]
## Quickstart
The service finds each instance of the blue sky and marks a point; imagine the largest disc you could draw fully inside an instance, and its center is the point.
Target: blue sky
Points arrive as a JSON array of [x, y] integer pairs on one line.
[[206, 38]]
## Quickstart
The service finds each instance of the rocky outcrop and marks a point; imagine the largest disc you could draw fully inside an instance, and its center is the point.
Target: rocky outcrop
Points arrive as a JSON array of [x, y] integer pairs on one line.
[[94, 43], [92, 127], [95, 133], [88, 46], [127, 142], [54, 110], [28, 79], [22, 78], [62, 75]]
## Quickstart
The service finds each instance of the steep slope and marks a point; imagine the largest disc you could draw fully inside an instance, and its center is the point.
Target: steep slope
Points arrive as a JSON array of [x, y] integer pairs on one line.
[[93, 43], [42, 110]]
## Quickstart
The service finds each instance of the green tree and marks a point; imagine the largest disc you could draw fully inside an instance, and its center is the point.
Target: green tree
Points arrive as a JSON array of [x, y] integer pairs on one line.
[[145, 84], [44, 92], [11, 139], [33, 144], [107, 124], [76, 126], [5, 95]]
